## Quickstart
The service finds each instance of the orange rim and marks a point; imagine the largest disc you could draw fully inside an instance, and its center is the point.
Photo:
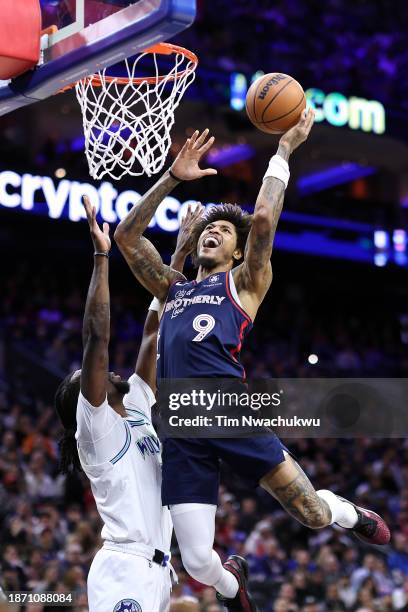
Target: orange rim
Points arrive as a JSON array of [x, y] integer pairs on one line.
[[160, 49], [52, 29]]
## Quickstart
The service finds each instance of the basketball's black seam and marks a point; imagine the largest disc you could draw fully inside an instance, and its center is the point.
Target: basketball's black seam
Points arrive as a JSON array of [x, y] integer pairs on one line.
[[274, 98], [286, 114], [259, 125]]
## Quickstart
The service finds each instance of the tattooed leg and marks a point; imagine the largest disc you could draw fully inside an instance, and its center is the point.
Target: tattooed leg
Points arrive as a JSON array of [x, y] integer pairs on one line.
[[291, 487]]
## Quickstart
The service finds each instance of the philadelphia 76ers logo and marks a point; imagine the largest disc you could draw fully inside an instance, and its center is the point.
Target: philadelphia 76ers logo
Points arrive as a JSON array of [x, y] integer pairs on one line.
[[127, 605]]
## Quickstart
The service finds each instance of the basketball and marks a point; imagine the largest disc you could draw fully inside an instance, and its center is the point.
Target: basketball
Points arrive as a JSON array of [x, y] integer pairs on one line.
[[274, 102]]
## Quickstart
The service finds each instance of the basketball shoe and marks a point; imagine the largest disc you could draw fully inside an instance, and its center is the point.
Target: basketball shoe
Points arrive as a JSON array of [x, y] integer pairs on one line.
[[242, 602], [370, 527]]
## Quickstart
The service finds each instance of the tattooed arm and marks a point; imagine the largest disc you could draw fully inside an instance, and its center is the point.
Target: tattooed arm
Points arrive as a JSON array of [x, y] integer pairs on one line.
[[95, 330], [143, 259], [253, 278], [147, 357]]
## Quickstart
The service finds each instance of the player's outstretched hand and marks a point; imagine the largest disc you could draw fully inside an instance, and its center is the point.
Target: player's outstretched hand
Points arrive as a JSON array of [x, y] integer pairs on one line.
[[299, 133], [100, 239], [185, 166], [184, 244]]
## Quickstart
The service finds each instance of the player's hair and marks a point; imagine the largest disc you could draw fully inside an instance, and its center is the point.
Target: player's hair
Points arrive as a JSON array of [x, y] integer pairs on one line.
[[233, 213], [66, 400]]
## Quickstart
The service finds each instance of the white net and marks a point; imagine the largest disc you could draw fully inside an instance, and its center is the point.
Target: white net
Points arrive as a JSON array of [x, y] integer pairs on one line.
[[127, 126]]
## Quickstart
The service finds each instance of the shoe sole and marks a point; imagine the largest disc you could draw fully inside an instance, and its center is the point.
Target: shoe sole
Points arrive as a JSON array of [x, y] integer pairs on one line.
[[380, 520]]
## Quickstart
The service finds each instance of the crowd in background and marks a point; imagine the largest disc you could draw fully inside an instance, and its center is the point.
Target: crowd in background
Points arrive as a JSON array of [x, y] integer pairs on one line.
[[356, 47], [50, 529], [289, 327], [353, 46]]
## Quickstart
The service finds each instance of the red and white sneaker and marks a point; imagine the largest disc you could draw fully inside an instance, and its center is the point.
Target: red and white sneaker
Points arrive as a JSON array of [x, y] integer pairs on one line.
[[242, 601], [370, 527]]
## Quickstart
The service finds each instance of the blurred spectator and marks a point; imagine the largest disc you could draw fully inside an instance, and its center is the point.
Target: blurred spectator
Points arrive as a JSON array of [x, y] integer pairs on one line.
[[49, 526]]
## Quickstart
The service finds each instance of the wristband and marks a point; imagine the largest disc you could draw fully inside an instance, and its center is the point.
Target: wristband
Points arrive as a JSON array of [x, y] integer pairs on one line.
[[103, 254], [278, 168], [155, 305], [173, 176]]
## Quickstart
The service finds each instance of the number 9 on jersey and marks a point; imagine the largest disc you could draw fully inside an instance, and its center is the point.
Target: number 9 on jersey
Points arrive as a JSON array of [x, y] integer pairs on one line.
[[203, 324]]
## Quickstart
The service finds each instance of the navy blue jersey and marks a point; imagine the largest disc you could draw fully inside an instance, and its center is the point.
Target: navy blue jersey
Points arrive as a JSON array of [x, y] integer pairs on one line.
[[202, 329]]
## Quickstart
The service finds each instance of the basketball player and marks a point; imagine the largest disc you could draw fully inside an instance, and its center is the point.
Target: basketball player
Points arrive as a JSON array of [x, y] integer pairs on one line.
[[229, 294], [118, 449]]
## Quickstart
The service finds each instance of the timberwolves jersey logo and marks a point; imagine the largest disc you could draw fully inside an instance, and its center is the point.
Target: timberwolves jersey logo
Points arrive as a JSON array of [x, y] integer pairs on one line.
[[127, 605]]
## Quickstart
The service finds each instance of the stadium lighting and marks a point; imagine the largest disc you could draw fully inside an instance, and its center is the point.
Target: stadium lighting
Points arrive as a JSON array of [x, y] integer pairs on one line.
[[313, 359], [380, 259], [399, 238], [380, 239]]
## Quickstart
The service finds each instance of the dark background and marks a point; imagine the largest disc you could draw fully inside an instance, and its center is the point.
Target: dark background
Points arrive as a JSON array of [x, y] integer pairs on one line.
[[353, 316]]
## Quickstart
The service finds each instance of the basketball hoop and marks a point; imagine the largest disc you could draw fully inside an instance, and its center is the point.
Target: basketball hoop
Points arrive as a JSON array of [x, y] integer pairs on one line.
[[127, 120]]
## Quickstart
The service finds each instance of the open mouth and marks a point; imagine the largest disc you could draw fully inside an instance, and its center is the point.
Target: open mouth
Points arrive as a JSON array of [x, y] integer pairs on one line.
[[211, 242]]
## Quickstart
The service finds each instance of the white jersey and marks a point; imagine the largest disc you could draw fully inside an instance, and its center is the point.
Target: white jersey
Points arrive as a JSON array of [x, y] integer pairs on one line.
[[122, 458]]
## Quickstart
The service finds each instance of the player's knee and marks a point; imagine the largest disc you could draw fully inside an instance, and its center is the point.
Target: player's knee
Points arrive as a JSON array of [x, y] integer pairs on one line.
[[197, 562]]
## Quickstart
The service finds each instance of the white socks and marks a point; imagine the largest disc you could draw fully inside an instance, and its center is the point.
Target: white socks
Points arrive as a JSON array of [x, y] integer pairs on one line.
[[194, 525], [343, 513], [227, 585]]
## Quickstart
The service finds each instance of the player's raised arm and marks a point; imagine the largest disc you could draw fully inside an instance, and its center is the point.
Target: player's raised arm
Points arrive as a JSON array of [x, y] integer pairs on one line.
[[255, 274], [147, 357], [143, 259], [96, 324]]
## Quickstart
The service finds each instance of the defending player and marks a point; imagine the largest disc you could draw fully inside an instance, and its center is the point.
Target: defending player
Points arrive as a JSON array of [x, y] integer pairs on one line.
[[119, 450], [230, 296]]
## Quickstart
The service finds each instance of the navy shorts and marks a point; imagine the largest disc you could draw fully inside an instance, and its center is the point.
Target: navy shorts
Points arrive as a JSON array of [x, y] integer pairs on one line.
[[191, 466]]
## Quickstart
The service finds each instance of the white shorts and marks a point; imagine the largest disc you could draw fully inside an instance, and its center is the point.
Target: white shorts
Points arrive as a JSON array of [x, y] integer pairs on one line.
[[123, 582]]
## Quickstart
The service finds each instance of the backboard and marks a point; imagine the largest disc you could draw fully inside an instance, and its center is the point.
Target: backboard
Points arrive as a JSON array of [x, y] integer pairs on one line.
[[90, 35]]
